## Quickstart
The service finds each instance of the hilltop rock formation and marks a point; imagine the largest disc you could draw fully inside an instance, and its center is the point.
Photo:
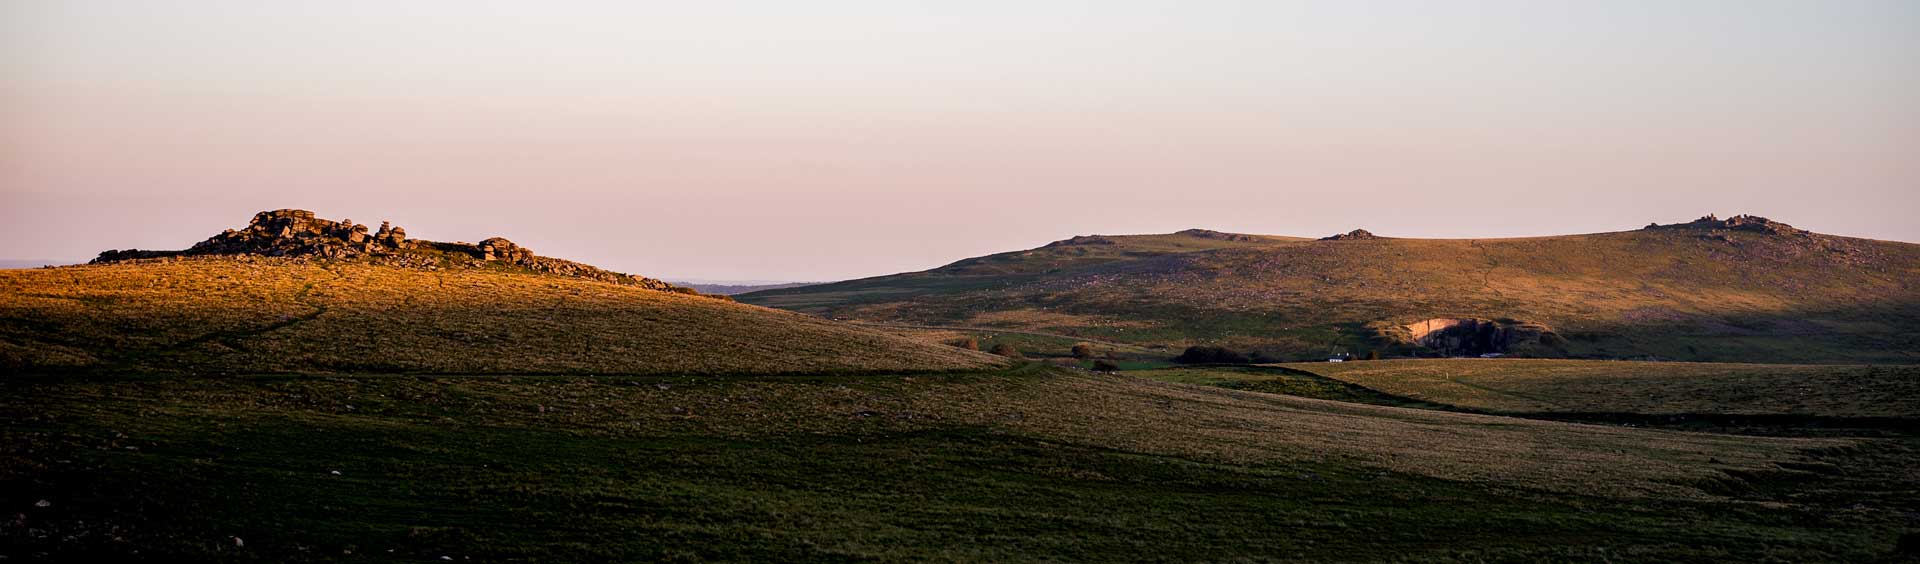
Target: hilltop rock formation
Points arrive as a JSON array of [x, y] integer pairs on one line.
[[1082, 240], [1354, 235], [1217, 235], [1752, 223], [299, 235]]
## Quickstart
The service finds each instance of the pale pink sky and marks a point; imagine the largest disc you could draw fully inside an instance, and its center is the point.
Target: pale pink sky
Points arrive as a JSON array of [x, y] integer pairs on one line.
[[828, 140]]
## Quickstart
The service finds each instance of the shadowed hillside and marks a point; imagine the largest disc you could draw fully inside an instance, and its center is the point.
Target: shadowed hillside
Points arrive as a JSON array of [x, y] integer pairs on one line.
[[1740, 289], [1531, 386], [1027, 464]]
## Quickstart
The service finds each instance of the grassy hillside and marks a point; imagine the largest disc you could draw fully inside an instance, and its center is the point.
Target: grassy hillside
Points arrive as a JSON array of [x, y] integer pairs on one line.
[[1021, 465], [234, 314], [405, 400], [1576, 386], [1708, 291]]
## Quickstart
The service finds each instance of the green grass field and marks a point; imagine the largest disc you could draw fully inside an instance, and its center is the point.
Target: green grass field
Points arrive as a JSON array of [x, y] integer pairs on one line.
[[1576, 386], [1022, 465]]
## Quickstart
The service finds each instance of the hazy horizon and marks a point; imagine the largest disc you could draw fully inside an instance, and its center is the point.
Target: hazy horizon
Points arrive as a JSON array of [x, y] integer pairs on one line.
[[838, 140]]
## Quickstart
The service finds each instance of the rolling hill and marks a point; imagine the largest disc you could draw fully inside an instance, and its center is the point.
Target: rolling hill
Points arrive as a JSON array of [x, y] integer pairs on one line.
[[290, 293], [299, 390], [1740, 289]]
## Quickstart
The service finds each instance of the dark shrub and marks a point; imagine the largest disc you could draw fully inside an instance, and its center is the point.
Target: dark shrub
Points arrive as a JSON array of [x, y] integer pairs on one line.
[[1082, 351], [1104, 365], [1210, 355], [1006, 350], [968, 343]]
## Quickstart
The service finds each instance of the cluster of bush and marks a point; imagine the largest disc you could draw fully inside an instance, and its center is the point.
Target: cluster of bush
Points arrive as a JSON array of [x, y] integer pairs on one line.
[[1208, 354], [1080, 351], [1211, 354]]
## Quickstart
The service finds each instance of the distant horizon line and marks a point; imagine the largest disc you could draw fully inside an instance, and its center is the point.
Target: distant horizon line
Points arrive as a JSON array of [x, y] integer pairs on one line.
[[7, 263]]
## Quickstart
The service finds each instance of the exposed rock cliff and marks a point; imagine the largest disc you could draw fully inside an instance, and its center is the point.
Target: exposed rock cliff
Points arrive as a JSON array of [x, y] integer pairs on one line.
[[1473, 337]]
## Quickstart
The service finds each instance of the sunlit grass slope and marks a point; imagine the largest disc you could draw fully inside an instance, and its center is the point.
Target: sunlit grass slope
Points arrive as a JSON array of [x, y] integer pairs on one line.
[[1684, 292], [254, 314]]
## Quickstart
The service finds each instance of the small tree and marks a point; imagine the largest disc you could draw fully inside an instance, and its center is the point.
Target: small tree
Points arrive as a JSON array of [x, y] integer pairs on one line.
[[1082, 351], [1006, 350], [1210, 355]]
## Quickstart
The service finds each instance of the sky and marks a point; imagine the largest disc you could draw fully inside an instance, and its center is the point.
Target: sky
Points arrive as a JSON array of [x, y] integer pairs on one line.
[[828, 140]]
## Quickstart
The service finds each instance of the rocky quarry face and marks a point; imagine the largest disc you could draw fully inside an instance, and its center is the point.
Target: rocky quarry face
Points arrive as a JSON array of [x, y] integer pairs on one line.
[[1474, 337], [298, 235]]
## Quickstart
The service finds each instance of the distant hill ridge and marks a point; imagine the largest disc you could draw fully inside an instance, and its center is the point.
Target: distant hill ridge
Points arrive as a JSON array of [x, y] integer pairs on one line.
[[1742, 288], [729, 289], [297, 233]]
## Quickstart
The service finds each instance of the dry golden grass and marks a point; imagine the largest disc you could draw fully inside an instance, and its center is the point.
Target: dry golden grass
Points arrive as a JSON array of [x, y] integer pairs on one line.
[[275, 315], [1674, 294], [1585, 386]]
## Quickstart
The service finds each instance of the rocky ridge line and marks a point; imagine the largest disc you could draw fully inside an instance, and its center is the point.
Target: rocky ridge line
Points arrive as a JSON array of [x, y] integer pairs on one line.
[[297, 234]]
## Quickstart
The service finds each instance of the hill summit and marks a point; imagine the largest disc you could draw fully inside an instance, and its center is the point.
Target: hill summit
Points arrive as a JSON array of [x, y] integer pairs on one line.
[[298, 234], [1743, 288], [293, 293]]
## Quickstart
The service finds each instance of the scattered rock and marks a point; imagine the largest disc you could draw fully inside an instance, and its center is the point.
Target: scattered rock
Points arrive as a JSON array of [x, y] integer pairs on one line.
[[499, 248], [1751, 223], [1354, 235], [1217, 235], [1078, 240]]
